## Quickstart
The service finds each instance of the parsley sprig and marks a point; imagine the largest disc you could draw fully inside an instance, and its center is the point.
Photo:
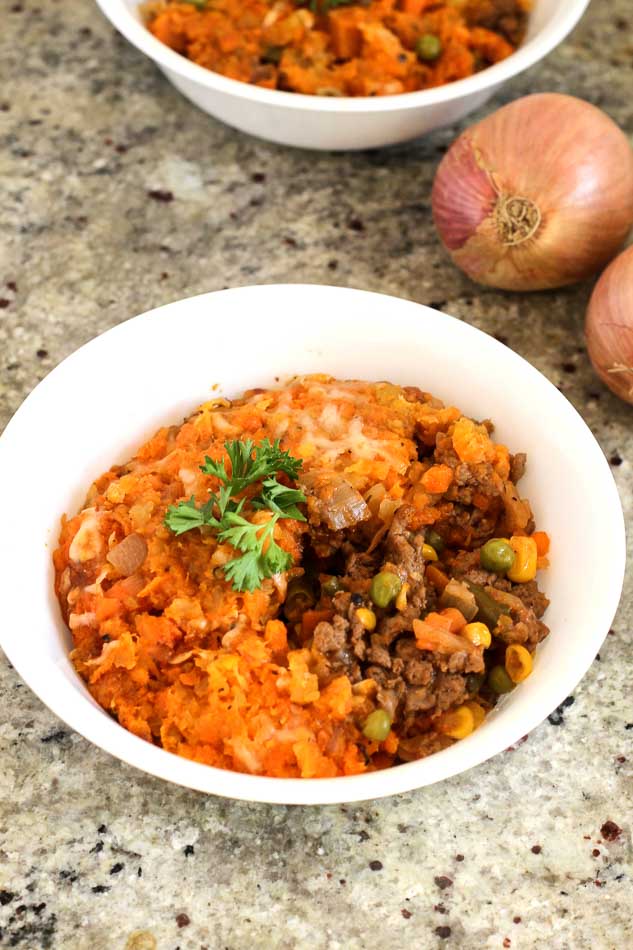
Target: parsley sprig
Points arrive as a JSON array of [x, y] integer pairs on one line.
[[261, 556], [323, 6]]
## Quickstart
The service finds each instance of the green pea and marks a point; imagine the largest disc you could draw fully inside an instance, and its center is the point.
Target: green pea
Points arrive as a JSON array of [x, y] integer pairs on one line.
[[331, 586], [435, 540], [499, 681], [385, 587], [299, 598], [377, 726], [272, 54], [428, 47], [496, 555], [474, 682]]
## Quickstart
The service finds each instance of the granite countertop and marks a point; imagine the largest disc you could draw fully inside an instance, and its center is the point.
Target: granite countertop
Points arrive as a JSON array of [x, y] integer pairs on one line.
[[117, 196]]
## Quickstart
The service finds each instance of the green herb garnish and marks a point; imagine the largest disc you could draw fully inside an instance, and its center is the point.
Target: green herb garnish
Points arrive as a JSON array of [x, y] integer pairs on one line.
[[261, 555], [323, 6]]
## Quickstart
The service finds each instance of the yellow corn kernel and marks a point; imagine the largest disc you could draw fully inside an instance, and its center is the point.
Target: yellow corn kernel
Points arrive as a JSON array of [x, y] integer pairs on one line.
[[429, 553], [401, 599], [518, 663], [367, 618], [479, 713], [457, 723], [525, 558], [477, 633], [365, 687]]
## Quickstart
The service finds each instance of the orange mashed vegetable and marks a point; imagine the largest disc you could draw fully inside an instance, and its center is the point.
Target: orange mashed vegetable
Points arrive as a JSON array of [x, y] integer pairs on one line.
[[181, 659], [329, 48]]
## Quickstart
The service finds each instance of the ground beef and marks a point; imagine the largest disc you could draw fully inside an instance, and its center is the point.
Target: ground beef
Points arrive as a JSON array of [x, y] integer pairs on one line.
[[416, 747], [414, 686], [465, 565], [359, 565], [418, 699], [465, 527], [403, 550], [402, 546], [391, 627], [522, 624], [532, 597], [329, 637], [377, 653], [450, 689], [418, 672], [517, 466]]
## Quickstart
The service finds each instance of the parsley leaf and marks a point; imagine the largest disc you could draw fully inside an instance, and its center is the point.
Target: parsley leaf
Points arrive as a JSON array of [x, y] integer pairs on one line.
[[247, 572], [322, 6], [280, 499], [246, 469], [186, 515], [261, 556]]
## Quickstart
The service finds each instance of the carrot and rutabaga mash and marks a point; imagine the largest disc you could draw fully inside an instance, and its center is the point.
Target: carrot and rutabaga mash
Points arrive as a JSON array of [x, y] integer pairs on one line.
[[318, 580], [338, 47]]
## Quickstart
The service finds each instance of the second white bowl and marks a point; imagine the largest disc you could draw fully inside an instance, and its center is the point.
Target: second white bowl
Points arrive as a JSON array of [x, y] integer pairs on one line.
[[348, 123]]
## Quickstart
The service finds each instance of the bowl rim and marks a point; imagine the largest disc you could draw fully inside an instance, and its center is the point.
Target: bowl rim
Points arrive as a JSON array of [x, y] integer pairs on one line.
[[83, 715], [565, 19]]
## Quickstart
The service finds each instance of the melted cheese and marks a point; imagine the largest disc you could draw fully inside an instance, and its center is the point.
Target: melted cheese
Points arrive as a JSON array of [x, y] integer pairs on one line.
[[87, 543], [354, 442], [82, 620]]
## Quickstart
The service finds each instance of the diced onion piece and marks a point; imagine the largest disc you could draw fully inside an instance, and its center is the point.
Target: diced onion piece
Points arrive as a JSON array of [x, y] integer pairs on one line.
[[129, 554], [435, 639], [456, 594], [335, 500]]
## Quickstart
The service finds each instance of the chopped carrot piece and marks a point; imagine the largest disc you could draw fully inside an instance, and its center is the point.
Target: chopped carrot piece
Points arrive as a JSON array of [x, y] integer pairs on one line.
[[346, 36], [106, 608], [481, 501], [472, 442], [456, 617], [276, 636], [438, 620], [542, 543], [311, 619], [440, 639], [437, 479], [413, 7], [390, 744]]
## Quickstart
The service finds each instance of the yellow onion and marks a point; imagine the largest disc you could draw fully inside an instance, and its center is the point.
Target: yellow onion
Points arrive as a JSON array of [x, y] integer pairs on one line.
[[537, 195], [609, 326]]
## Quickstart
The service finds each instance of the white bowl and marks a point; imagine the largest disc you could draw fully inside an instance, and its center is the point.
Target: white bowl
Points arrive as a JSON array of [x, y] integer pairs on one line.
[[98, 405], [348, 123]]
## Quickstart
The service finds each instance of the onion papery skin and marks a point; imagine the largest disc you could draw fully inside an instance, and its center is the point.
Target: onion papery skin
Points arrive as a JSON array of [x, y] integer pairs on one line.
[[609, 326], [571, 169]]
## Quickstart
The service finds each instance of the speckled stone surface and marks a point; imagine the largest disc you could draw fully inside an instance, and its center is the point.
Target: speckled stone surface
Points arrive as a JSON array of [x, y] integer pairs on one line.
[[95, 855]]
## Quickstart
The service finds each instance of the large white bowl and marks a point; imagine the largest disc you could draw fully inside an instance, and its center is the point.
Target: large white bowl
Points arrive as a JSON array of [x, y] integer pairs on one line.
[[98, 405], [348, 123]]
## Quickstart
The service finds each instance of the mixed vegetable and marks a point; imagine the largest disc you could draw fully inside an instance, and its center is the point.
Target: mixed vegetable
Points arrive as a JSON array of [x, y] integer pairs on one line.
[[339, 47]]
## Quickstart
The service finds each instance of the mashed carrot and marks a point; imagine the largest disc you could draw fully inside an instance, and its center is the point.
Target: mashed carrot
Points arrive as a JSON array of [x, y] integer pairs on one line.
[[328, 48]]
